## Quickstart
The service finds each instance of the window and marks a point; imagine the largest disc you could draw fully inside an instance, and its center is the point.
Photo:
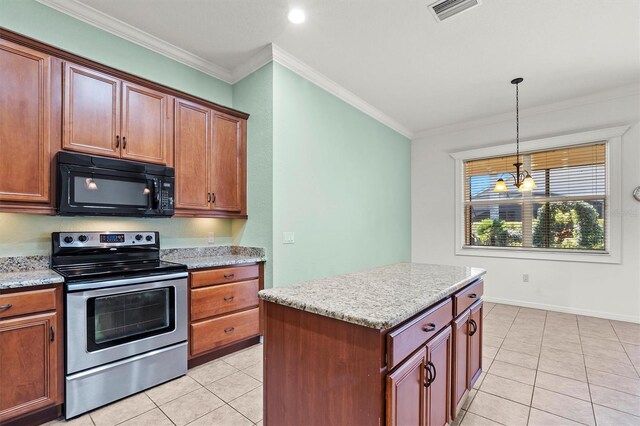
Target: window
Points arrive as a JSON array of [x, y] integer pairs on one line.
[[566, 212]]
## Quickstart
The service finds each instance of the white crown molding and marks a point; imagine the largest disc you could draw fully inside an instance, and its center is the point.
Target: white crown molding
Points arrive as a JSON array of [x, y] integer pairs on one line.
[[257, 61], [269, 53], [130, 33], [619, 92], [286, 59]]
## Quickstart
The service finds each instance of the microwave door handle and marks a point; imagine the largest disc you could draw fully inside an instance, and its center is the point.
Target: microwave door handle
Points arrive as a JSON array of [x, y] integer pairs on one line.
[[157, 194]]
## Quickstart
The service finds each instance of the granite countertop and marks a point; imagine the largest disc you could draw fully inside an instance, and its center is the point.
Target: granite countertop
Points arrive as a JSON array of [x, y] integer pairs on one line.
[[377, 298], [208, 257], [26, 271]]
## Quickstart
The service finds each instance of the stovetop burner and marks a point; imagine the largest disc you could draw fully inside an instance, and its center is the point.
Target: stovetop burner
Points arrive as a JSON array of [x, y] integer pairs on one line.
[[93, 256]]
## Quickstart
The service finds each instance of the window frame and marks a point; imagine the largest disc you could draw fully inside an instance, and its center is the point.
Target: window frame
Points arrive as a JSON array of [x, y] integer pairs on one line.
[[612, 137]]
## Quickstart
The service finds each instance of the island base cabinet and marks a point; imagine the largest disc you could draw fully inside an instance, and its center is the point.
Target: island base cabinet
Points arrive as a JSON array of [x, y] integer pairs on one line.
[[475, 344], [418, 391]]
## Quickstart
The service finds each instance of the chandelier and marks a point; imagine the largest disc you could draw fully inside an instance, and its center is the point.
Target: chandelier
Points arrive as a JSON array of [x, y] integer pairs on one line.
[[521, 179]]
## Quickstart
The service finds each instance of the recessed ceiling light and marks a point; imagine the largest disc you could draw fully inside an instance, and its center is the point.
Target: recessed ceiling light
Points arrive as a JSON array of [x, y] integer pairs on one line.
[[296, 16]]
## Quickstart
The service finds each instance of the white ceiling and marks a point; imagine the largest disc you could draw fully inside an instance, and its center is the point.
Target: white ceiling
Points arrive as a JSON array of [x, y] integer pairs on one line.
[[395, 56]]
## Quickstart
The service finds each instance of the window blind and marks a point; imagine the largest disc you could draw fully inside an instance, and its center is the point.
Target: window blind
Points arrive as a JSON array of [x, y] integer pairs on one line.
[[566, 211]]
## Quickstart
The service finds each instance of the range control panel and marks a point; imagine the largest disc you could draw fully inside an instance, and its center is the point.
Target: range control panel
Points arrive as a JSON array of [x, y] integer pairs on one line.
[[106, 239]]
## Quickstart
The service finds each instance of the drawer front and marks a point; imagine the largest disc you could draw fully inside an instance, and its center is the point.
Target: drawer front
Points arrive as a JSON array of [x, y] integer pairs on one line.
[[223, 275], [467, 297], [214, 333], [409, 337], [222, 299], [27, 302]]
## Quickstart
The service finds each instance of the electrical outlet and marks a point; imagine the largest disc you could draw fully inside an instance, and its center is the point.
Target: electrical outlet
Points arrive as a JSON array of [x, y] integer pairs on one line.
[[525, 278], [211, 238], [288, 238]]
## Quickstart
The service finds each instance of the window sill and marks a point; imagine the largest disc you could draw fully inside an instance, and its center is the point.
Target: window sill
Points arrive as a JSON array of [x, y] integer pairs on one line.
[[538, 254]]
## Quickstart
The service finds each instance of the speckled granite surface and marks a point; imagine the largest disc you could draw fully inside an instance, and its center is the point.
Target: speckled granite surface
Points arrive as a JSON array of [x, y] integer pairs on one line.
[[26, 271], [208, 257], [378, 298]]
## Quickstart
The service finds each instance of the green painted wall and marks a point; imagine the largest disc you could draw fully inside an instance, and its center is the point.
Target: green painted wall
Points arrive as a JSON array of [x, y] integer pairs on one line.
[[255, 94], [35, 20], [341, 182]]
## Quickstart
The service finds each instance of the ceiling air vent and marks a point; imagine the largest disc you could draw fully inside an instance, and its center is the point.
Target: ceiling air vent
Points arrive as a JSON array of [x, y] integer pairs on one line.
[[444, 9]]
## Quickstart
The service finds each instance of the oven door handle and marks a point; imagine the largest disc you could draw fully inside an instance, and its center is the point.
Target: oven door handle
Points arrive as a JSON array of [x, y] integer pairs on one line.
[[72, 287]]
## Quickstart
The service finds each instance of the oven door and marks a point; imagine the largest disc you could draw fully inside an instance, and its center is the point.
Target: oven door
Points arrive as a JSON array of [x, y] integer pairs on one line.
[[95, 191], [111, 321]]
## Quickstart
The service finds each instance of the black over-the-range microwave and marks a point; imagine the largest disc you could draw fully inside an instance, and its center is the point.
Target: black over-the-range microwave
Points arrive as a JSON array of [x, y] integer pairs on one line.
[[88, 185]]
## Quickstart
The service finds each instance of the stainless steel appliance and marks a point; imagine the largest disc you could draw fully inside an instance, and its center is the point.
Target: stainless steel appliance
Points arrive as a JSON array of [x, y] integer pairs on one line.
[[89, 185], [126, 315]]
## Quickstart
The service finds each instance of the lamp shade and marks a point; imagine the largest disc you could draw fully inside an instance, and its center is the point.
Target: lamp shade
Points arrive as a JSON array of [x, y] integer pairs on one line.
[[500, 186], [528, 184]]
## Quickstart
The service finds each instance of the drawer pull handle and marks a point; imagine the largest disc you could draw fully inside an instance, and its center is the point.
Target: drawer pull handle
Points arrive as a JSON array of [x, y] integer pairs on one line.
[[228, 298], [431, 374], [429, 327], [475, 327], [229, 276], [473, 296], [7, 306], [229, 330]]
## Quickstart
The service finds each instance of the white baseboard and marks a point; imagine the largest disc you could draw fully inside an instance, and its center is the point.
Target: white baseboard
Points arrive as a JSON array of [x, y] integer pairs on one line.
[[565, 309]]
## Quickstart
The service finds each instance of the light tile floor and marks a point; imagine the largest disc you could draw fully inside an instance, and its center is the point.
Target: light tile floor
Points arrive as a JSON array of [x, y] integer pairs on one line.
[[546, 368], [541, 368]]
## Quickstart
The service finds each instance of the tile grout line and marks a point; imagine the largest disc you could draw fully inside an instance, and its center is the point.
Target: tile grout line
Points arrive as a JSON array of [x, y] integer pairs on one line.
[[637, 369], [593, 410], [535, 377]]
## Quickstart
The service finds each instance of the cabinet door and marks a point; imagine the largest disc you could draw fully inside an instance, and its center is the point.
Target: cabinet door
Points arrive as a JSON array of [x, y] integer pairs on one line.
[[29, 364], [91, 115], [439, 377], [406, 392], [192, 153], [227, 163], [144, 124], [475, 344], [459, 379], [24, 124]]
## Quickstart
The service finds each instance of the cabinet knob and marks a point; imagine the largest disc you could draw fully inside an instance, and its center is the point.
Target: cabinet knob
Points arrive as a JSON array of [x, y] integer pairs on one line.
[[229, 276], [117, 141], [430, 369], [228, 298], [473, 296], [229, 330], [124, 142], [213, 194], [429, 327], [208, 197]]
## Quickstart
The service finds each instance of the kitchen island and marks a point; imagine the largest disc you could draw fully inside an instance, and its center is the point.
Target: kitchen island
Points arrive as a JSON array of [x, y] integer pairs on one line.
[[399, 344]]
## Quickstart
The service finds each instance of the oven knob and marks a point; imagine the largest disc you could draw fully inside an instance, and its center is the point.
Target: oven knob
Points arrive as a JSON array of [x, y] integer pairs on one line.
[[149, 238], [68, 239], [138, 237], [82, 238]]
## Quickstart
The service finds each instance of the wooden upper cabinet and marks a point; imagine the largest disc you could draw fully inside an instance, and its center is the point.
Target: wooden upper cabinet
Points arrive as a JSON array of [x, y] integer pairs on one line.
[[91, 112], [227, 168], [25, 141], [192, 153], [144, 125]]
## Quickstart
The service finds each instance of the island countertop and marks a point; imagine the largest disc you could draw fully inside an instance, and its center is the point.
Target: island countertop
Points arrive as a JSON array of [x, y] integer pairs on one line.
[[377, 298]]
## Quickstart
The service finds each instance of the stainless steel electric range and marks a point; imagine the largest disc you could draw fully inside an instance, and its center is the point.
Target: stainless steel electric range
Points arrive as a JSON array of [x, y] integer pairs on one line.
[[126, 315]]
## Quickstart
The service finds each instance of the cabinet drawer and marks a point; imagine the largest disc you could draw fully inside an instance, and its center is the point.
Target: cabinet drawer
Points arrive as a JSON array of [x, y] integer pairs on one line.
[[409, 337], [467, 297], [221, 299], [224, 275], [27, 302], [214, 333]]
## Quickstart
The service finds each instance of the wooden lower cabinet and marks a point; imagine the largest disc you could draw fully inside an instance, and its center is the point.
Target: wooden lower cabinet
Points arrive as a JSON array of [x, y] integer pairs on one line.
[[321, 370], [467, 354], [224, 309], [30, 353], [418, 391]]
